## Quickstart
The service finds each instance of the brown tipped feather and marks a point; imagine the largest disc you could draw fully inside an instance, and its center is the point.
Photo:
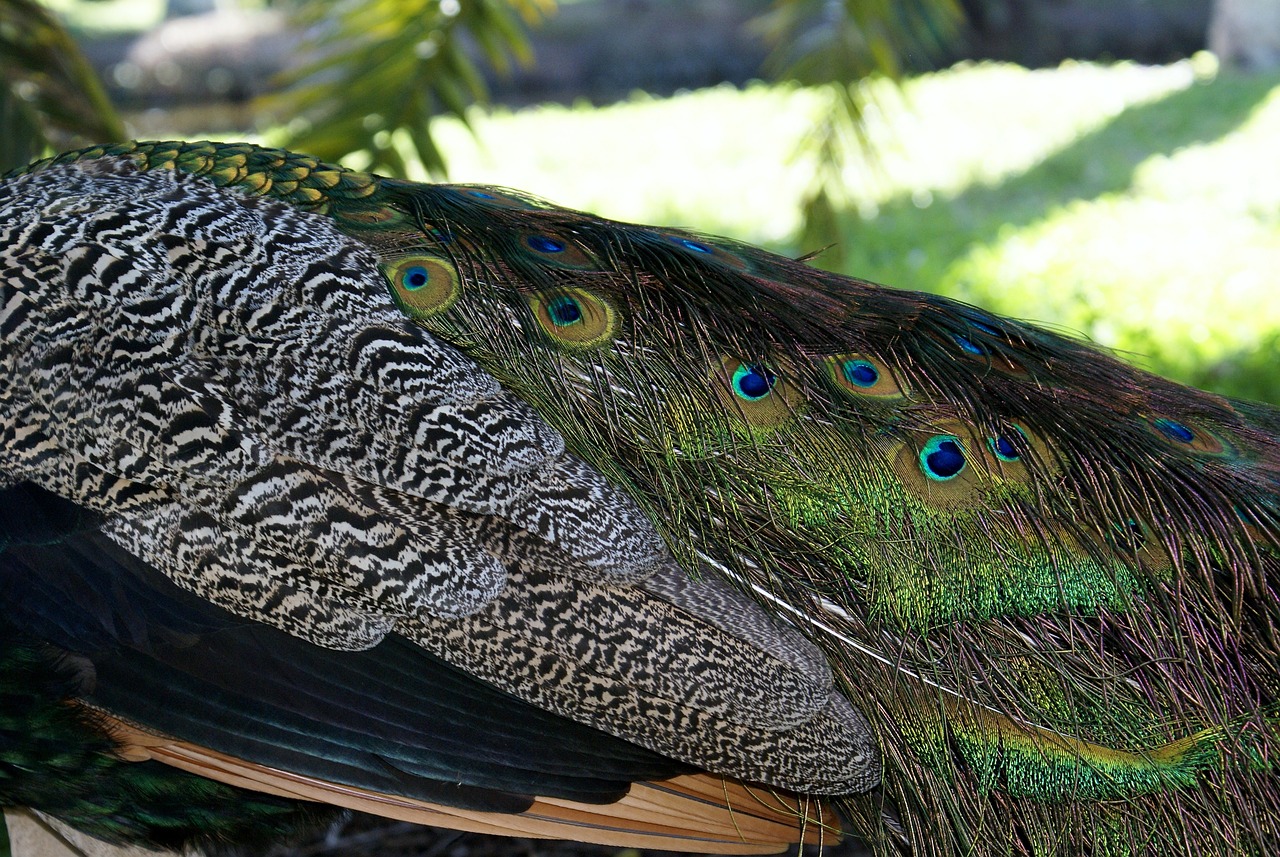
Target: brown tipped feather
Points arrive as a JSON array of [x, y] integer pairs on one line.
[[698, 812]]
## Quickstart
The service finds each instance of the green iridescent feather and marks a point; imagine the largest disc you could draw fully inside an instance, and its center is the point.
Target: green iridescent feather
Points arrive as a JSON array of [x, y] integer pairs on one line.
[[1047, 577]]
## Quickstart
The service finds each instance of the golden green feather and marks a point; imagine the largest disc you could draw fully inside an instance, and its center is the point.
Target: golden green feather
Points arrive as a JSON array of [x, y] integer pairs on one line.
[[1048, 578]]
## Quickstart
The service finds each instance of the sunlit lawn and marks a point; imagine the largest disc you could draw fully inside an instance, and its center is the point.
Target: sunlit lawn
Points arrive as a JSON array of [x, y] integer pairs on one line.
[[1138, 206]]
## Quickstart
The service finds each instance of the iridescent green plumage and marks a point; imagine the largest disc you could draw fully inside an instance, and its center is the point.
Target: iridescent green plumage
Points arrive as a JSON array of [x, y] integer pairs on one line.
[[1048, 579]]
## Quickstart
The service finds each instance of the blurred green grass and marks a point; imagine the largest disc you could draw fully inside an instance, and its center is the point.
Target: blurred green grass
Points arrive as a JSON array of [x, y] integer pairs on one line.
[[106, 17], [1137, 206]]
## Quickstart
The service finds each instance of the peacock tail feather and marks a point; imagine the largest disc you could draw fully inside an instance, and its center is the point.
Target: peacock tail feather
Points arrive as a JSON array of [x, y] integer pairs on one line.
[[1047, 579]]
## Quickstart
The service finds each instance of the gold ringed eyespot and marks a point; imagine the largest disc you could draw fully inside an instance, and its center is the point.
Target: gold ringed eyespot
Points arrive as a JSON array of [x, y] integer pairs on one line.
[[863, 375], [575, 318], [1192, 436], [757, 392], [423, 285], [557, 250], [938, 465]]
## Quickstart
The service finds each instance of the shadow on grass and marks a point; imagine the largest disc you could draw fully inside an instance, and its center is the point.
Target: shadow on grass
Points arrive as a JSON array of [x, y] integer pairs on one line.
[[914, 247], [1100, 162]]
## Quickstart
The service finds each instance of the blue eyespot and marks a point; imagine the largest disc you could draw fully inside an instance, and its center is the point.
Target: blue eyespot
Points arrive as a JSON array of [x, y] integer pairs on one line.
[[689, 244], [543, 244], [753, 382], [1174, 430], [860, 373], [414, 278], [980, 321], [423, 285], [1008, 447], [564, 311], [966, 344], [1004, 448], [942, 457], [479, 194]]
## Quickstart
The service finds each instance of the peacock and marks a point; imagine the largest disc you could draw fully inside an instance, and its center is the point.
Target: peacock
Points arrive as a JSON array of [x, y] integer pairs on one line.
[[325, 490]]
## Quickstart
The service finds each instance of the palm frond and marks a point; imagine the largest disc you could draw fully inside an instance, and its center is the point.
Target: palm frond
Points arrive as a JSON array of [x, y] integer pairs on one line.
[[50, 97], [838, 46], [384, 66]]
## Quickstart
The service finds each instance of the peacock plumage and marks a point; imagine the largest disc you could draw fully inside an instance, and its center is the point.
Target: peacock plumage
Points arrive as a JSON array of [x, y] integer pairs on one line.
[[324, 489]]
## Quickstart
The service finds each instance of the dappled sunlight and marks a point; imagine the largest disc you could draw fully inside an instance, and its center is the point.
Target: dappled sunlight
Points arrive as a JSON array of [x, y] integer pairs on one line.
[[716, 160], [725, 161], [984, 123], [1169, 282], [1137, 205], [1239, 173]]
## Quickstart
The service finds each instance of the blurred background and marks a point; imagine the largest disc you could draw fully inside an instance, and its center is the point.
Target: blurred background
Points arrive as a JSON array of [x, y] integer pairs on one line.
[[1109, 168]]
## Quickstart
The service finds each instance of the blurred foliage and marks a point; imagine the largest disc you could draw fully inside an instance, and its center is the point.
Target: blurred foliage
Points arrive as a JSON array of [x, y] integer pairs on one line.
[[380, 71], [838, 46], [380, 66], [49, 96], [388, 65]]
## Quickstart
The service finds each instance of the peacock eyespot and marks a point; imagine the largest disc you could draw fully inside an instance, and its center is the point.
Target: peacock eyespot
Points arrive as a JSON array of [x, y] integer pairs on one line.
[[1008, 446], [714, 253], [940, 466], [942, 457], [690, 244], [543, 244], [423, 285], [967, 345], [488, 196], [1174, 430], [558, 251], [1004, 448], [575, 318], [1017, 455], [415, 278], [1193, 437], [564, 311], [753, 382], [862, 375], [756, 392]]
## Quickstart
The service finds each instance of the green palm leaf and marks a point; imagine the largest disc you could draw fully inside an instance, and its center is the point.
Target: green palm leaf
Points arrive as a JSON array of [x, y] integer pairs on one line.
[[386, 66], [49, 95]]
